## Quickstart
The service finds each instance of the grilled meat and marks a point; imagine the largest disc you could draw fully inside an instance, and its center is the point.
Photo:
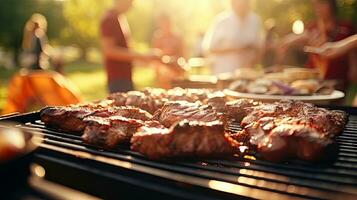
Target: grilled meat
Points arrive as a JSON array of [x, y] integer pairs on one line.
[[281, 130], [278, 139], [184, 139], [65, 118], [177, 111], [218, 101], [137, 99], [110, 131], [152, 99], [290, 129], [71, 118], [236, 110], [190, 95], [332, 122]]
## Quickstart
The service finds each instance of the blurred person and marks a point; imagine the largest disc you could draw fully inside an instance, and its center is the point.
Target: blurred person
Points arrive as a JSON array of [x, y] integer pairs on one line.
[[118, 57], [269, 45], [170, 44], [197, 47], [233, 41], [326, 28], [35, 43], [166, 39]]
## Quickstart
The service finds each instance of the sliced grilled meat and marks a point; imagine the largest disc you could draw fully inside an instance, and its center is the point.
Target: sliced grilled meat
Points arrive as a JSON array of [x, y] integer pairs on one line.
[[278, 139], [71, 118], [110, 131], [184, 139], [218, 101], [332, 122], [290, 129], [176, 111], [236, 110], [138, 99], [190, 95], [65, 118]]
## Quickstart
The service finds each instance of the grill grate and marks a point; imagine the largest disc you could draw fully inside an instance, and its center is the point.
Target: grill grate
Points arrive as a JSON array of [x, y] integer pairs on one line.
[[239, 176]]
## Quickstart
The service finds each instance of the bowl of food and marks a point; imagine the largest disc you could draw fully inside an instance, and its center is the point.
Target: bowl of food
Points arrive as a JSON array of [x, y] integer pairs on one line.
[[16, 154]]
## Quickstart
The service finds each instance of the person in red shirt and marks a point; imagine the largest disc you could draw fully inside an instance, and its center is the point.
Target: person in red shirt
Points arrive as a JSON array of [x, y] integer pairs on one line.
[[326, 28], [118, 57]]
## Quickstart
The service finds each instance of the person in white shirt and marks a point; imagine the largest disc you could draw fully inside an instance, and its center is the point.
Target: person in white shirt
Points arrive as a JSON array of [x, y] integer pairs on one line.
[[233, 40]]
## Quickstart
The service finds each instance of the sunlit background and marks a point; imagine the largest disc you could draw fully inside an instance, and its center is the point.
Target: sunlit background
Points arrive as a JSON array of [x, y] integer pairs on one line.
[[73, 31]]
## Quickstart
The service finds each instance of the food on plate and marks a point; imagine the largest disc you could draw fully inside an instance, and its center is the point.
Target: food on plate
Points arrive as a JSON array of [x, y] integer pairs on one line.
[[288, 81], [299, 73], [248, 73], [12, 143], [191, 122], [306, 86]]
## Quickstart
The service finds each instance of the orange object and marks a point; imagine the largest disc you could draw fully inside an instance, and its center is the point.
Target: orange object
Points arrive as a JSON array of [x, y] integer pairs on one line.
[[42, 88]]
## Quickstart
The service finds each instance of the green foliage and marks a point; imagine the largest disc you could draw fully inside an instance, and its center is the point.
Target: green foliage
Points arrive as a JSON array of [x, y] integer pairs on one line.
[[285, 12], [83, 17], [15, 13], [77, 21]]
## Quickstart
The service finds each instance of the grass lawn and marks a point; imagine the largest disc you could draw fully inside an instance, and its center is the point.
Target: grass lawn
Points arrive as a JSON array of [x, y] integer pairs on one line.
[[90, 79]]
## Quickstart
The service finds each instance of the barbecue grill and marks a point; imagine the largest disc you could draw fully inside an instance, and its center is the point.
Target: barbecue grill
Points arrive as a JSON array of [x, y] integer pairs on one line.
[[124, 173]]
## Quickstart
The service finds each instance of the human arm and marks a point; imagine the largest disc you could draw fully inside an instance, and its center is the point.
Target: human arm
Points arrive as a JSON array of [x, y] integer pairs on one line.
[[335, 49], [111, 49], [114, 52]]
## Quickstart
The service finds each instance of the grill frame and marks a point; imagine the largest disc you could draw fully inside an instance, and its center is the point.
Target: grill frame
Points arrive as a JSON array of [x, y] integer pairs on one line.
[[66, 158]]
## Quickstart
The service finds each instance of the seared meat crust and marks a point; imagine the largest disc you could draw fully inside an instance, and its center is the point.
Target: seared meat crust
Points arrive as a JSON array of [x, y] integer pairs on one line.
[[72, 118], [176, 111], [184, 139]]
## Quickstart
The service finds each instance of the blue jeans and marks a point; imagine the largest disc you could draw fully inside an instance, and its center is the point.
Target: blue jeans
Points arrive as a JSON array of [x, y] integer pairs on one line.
[[120, 85]]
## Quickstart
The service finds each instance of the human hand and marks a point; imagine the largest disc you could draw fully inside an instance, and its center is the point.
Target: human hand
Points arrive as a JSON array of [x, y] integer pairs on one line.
[[154, 55], [328, 50]]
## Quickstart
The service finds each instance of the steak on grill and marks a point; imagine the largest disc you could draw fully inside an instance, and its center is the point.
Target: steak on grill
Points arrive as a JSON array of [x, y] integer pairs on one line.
[[110, 131], [71, 118], [176, 111], [152, 99], [184, 139], [290, 129]]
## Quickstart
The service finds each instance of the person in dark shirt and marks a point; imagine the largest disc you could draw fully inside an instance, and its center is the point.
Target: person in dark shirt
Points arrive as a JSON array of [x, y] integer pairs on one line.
[[118, 57]]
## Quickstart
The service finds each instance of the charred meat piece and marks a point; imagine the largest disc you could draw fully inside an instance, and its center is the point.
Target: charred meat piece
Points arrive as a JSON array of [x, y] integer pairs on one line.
[[71, 118], [218, 101], [152, 99], [65, 118], [184, 139], [137, 99], [177, 111], [236, 110], [332, 122], [278, 139], [290, 129], [190, 95], [108, 132]]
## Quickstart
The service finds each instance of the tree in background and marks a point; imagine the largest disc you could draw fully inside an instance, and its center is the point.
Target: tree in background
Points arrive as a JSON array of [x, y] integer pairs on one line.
[[76, 21], [15, 13], [83, 17]]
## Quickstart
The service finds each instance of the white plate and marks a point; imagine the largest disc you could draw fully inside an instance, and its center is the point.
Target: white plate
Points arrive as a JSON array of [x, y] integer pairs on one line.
[[270, 98]]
